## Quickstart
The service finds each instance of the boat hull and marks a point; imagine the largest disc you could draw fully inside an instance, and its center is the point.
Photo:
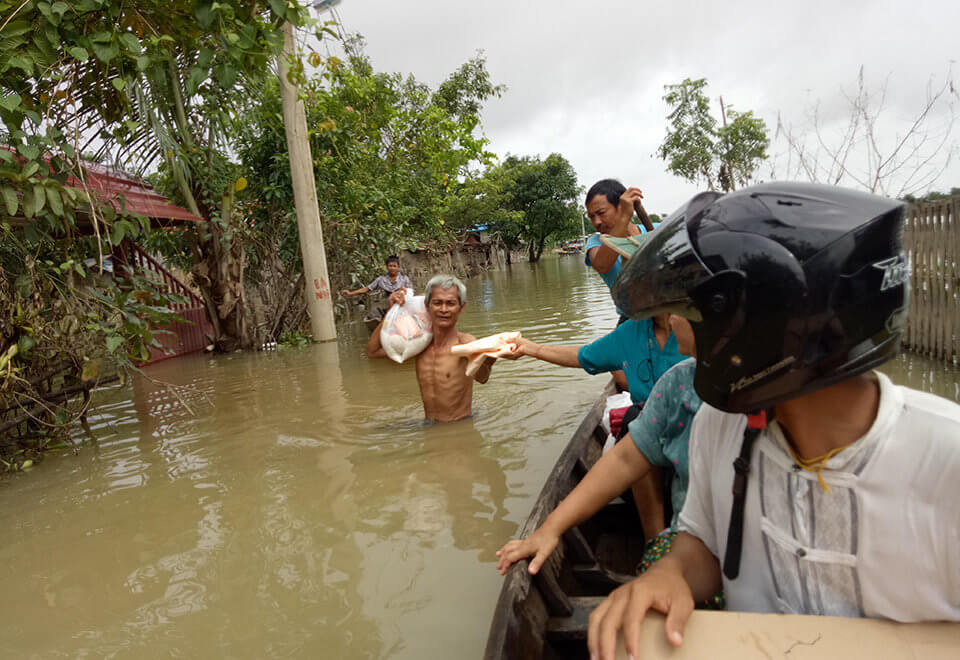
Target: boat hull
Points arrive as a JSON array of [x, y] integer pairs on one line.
[[544, 616]]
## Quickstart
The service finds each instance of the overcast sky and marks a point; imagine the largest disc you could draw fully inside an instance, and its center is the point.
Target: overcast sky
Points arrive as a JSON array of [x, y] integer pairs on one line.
[[586, 79]]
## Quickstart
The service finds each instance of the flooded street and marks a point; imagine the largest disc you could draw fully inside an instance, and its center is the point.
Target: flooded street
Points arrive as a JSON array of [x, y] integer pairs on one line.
[[293, 504]]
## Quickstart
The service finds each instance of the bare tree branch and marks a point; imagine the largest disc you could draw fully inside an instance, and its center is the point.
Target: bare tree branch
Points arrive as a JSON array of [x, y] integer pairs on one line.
[[869, 151]]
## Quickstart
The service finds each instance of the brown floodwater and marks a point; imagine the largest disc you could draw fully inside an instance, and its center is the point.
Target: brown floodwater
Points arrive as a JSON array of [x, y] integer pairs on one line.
[[292, 503]]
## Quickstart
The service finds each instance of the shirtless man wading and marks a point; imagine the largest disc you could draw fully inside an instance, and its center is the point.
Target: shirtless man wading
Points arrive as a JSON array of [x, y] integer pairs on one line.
[[446, 390]]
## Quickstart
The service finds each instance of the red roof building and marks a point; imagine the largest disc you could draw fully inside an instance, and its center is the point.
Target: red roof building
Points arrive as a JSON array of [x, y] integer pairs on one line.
[[123, 190]]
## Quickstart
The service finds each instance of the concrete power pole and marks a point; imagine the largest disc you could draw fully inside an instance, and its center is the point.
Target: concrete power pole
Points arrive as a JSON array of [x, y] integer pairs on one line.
[[319, 295]]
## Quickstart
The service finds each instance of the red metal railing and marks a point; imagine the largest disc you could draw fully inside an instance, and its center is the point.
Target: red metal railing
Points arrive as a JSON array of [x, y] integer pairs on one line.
[[180, 338]]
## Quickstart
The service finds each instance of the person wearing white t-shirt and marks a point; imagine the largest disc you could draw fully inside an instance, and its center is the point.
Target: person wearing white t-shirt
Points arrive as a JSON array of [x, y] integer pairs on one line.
[[887, 504], [842, 496]]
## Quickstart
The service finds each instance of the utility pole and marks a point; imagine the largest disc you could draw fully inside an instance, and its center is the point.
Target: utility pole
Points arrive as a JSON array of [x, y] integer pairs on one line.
[[319, 298]]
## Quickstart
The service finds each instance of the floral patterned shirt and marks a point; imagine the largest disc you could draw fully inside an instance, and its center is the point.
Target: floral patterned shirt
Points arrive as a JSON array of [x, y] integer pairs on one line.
[[662, 430]]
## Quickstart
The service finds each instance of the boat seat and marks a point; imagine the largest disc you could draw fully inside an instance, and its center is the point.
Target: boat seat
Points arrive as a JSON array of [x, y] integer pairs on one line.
[[573, 627], [586, 569]]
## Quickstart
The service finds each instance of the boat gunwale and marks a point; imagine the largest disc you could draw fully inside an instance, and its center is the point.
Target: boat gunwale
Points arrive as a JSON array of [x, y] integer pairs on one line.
[[516, 589]]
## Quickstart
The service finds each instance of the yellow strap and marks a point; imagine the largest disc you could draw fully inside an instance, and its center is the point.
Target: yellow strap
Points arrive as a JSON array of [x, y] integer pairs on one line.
[[817, 464]]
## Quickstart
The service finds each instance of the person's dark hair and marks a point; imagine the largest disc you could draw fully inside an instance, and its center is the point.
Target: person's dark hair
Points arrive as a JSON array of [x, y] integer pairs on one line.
[[609, 188], [392, 259]]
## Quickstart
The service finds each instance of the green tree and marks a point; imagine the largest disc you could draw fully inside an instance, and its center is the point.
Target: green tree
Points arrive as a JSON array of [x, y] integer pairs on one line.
[[546, 192], [484, 200], [697, 147], [389, 156], [155, 83], [134, 83], [190, 105], [529, 202], [932, 196]]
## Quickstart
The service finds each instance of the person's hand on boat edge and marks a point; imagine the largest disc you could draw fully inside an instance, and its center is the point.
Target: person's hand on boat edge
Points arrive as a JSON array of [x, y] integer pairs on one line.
[[538, 545], [662, 588]]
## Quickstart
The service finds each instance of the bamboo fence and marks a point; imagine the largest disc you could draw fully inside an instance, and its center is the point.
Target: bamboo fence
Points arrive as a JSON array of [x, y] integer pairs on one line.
[[932, 241]]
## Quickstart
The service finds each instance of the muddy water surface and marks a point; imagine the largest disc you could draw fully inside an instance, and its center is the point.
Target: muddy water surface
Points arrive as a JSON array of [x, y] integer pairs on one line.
[[292, 504]]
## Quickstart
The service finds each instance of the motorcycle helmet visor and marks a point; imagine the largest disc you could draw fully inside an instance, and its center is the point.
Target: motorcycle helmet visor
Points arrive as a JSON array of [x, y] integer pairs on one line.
[[659, 276]]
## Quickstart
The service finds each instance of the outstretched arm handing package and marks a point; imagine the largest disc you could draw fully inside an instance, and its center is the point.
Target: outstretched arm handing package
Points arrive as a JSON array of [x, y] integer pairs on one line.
[[495, 346]]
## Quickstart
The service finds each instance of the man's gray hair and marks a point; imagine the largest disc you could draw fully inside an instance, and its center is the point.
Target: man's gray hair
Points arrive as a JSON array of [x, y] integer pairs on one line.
[[446, 282]]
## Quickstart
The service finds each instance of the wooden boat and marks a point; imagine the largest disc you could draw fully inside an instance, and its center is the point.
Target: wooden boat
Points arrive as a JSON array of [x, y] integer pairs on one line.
[[545, 615]]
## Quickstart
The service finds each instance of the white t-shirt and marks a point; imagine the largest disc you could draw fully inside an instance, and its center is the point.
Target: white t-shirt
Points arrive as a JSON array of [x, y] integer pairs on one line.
[[885, 543]]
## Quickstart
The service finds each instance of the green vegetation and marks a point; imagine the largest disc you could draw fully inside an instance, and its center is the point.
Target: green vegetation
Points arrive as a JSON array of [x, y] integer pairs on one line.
[[387, 151], [697, 147], [294, 338], [528, 201], [932, 196], [144, 82]]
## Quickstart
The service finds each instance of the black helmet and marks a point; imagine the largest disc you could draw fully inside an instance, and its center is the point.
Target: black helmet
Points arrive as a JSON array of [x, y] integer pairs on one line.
[[790, 287]]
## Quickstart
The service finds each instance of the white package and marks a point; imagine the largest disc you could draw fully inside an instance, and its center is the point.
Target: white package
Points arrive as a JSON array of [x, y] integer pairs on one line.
[[406, 329]]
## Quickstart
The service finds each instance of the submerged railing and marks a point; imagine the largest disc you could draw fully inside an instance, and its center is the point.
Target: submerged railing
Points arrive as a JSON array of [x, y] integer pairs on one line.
[[182, 338]]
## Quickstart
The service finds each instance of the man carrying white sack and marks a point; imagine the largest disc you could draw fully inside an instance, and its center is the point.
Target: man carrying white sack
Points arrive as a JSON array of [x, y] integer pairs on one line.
[[446, 387]]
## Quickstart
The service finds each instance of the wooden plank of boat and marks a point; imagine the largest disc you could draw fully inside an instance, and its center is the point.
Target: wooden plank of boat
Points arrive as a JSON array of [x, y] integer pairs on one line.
[[544, 616]]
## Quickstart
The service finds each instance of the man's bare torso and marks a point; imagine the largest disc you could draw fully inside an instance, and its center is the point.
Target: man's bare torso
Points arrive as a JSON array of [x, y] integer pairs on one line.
[[446, 390]]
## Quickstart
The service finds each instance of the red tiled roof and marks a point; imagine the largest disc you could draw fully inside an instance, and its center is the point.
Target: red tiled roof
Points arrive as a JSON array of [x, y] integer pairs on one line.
[[138, 197], [123, 190]]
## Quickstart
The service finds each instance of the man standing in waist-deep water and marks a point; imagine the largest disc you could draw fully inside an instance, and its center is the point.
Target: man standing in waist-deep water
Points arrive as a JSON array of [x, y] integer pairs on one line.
[[446, 389]]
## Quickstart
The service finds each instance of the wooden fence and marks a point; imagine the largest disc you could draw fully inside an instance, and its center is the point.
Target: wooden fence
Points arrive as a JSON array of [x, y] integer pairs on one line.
[[932, 241]]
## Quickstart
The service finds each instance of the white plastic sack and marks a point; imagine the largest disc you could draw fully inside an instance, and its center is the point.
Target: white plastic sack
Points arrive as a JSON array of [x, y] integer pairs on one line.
[[614, 401], [406, 329]]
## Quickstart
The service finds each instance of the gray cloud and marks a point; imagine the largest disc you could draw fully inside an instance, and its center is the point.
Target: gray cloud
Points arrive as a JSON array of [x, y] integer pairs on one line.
[[586, 80]]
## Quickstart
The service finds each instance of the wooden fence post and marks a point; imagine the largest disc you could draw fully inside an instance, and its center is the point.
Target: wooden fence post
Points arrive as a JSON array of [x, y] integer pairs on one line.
[[952, 240], [909, 246], [932, 242]]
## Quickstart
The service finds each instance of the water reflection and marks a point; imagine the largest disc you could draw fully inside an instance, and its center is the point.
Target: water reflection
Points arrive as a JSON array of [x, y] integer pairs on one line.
[[450, 483], [924, 374]]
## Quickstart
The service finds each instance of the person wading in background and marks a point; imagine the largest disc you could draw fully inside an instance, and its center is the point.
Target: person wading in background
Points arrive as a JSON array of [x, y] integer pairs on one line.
[[388, 282]]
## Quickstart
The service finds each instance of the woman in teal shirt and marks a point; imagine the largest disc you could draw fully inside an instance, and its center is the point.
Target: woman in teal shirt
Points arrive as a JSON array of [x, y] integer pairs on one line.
[[644, 350], [634, 347], [659, 437]]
